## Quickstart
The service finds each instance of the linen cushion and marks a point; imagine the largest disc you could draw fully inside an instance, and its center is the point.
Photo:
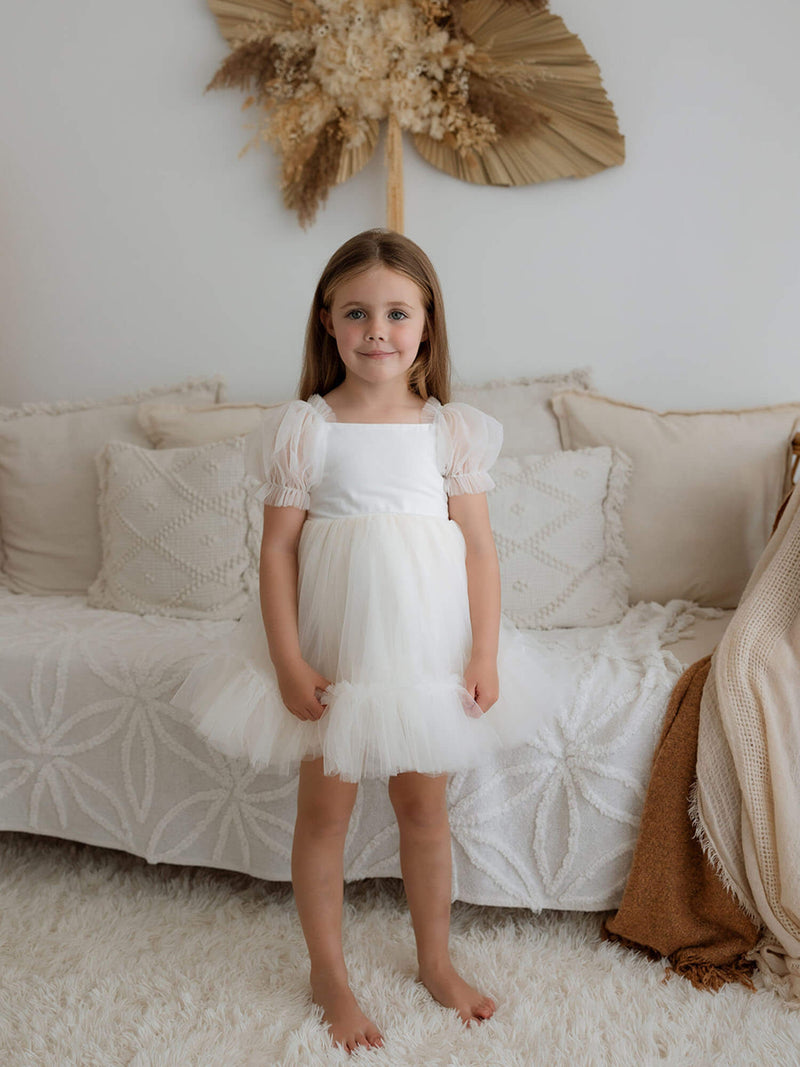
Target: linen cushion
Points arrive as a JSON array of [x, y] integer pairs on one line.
[[48, 483], [703, 493], [179, 426], [557, 523], [180, 535], [522, 406]]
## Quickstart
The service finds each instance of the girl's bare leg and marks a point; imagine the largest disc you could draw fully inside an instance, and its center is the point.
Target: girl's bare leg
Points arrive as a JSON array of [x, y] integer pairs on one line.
[[324, 806], [420, 805]]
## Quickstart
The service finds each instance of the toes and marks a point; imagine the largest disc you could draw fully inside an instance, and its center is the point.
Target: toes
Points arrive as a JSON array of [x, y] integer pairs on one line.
[[359, 1039], [485, 1009]]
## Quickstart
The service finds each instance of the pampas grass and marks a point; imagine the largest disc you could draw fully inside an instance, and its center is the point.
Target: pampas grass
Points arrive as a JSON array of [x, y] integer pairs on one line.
[[108, 961], [472, 80]]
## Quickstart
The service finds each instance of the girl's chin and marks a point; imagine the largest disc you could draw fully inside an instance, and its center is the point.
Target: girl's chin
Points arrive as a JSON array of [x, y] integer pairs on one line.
[[386, 367], [370, 366]]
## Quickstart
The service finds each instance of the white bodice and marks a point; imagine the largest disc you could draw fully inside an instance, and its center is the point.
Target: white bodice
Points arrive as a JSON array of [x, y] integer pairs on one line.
[[371, 468], [303, 457]]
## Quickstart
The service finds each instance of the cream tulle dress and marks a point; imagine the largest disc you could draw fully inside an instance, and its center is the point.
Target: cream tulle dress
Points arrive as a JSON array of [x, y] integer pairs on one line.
[[382, 602]]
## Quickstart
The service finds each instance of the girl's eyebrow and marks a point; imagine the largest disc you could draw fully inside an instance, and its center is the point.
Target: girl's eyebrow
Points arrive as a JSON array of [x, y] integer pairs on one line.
[[362, 304]]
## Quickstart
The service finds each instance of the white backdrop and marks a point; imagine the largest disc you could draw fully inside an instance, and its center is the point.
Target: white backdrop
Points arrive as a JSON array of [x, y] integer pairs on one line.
[[136, 248]]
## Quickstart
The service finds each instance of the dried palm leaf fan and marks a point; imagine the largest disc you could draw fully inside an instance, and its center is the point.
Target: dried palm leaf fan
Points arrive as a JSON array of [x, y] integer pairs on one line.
[[496, 92]]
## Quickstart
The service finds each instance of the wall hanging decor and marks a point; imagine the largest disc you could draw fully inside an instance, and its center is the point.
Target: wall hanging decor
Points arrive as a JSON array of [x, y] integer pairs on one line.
[[496, 92]]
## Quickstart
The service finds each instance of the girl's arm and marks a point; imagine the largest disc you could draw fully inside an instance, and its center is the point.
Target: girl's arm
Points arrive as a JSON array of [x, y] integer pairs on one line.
[[471, 512], [297, 680]]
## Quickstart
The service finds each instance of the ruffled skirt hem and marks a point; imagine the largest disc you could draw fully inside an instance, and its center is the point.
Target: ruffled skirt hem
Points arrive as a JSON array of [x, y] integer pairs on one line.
[[367, 730]]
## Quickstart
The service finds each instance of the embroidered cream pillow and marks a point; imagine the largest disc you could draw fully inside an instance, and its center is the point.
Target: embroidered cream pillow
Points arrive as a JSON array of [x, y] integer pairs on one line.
[[48, 483], [180, 533], [703, 494], [522, 406], [557, 524], [178, 426]]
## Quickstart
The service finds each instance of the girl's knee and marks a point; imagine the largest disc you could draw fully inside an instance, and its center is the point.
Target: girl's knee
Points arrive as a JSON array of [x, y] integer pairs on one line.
[[324, 820], [324, 804], [423, 809]]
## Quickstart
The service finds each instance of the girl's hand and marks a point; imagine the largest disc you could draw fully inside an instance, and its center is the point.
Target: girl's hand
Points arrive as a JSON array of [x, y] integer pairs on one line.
[[481, 681], [297, 683]]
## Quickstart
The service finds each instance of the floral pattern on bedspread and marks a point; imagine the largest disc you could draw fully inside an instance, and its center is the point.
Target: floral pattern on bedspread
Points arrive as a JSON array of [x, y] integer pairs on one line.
[[92, 750]]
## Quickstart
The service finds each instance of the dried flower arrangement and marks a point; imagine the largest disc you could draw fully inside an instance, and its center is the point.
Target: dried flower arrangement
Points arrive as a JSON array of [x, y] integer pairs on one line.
[[496, 92]]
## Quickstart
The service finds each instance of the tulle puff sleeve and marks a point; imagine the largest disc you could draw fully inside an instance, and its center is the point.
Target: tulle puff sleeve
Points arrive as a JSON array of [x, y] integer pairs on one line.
[[468, 443], [285, 454]]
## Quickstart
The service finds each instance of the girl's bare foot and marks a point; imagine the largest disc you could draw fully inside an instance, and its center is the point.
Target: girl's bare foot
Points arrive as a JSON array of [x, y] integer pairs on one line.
[[447, 986], [348, 1025]]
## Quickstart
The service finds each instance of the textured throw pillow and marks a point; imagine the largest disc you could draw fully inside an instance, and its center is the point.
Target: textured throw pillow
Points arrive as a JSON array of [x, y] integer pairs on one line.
[[48, 483], [180, 533], [179, 426], [522, 406], [703, 493], [557, 523]]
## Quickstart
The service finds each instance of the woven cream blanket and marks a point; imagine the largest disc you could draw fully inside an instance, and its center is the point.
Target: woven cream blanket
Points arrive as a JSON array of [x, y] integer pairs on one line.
[[747, 806]]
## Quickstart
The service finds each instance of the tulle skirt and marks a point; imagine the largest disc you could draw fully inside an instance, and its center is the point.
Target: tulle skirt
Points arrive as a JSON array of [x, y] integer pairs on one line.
[[383, 613]]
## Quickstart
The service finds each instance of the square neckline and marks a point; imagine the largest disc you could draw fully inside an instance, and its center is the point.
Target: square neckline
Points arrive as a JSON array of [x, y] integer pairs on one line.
[[427, 413]]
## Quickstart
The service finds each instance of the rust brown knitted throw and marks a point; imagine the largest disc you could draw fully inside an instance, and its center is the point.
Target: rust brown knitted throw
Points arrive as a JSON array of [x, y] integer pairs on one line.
[[674, 904]]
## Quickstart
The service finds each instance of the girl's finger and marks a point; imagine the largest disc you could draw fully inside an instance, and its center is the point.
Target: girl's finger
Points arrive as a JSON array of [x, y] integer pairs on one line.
[[323, 697]]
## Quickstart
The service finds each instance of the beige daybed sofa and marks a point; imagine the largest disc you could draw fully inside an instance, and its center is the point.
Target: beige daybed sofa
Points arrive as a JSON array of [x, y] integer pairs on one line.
[[625, 538]]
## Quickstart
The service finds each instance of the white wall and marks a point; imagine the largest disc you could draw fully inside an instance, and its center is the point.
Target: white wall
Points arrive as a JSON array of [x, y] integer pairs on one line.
[[136, 248]]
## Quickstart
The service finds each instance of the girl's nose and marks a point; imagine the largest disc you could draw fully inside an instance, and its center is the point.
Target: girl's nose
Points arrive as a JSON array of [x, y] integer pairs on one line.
[[374, 333]]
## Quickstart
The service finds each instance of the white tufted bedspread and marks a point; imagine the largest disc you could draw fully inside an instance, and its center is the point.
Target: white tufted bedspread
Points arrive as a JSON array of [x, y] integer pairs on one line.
[[91, 750]]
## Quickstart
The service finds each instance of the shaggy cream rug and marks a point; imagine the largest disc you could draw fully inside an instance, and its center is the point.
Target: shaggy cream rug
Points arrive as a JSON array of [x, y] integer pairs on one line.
[[108, 961]]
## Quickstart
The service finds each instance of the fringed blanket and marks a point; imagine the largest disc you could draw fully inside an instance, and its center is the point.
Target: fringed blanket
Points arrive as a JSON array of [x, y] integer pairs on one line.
[[747, 805], [717, 863], [674, 903]]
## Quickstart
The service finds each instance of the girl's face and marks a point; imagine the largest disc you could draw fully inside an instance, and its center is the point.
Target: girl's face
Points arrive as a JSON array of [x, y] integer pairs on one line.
[[378, 320]]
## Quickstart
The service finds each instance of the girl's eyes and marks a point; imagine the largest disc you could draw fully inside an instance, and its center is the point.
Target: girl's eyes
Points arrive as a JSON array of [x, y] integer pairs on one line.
[[396, 315]]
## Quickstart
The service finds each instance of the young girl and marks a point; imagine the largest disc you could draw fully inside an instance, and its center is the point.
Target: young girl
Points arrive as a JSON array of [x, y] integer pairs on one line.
[[385, 651]]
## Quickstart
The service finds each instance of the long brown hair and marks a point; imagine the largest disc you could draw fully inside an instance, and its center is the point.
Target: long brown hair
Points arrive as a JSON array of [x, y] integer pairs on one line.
[[323, 369]]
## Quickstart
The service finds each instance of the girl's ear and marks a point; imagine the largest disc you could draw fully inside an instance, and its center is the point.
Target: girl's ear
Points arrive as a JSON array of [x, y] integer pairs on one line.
[[327, 321]]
